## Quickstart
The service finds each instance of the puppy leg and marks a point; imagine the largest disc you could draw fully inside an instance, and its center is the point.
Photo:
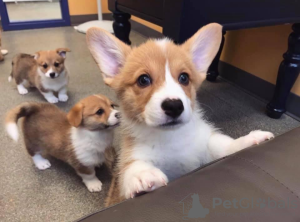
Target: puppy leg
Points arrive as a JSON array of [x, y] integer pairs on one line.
[[141, 176], [49, 96], [40, 162], [113, 196], [221, 145], [34, 151], [21, 88], [4, 51], [62, 95], [89, 178]]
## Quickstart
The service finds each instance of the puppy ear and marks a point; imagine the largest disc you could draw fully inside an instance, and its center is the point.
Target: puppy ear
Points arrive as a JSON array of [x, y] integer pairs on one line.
[[204, 45], [36, 55], [62, 51], [75, 115], [108, 51]]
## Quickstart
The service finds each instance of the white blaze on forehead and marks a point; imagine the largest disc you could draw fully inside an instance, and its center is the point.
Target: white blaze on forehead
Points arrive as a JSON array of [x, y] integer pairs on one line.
[[172, 88], [162, 43]]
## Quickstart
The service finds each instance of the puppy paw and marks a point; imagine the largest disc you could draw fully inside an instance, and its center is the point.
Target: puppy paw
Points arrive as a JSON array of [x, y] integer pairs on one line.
[[258, 136], [4, 51], [146, 181], [63, 98], [255, 137], [93, 185], [52, 99], [42, 164], [22, 91]]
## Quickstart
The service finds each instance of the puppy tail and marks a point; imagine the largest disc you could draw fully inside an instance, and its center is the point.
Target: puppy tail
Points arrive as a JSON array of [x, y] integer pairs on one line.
[[11, 120]]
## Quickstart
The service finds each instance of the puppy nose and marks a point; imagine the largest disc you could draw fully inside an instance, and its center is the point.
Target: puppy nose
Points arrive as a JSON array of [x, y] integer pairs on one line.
[[172, 107], [52, 74], [118, 115]]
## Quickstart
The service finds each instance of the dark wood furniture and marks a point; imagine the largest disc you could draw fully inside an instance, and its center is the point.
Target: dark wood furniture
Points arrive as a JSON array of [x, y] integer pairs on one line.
[[180, 19]]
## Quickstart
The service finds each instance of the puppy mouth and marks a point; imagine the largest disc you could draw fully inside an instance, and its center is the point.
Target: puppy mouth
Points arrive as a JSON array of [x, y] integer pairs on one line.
[[170, 124], [111, 126]]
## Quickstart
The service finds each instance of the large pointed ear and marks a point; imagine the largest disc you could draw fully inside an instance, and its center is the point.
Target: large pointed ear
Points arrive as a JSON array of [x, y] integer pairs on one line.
[[62, 51], [108, 51], [204, 45], [36, 55], [75, 115]]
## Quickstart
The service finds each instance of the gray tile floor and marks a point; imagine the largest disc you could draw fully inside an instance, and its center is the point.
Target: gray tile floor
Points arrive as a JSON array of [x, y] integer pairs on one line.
[[57, 194]]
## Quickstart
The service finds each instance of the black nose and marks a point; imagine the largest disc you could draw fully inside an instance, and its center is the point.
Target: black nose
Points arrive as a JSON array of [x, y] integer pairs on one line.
[[52, 74], [118, 115], [172, 107]]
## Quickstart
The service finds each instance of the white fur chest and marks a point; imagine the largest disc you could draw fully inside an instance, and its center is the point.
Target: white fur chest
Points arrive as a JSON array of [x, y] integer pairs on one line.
[[54, 84], [174, 151], [89, 146]]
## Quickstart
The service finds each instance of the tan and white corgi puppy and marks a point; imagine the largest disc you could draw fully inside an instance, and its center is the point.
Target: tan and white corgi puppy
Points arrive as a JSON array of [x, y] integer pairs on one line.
[[45, 70], [164, 134], [82, 138]]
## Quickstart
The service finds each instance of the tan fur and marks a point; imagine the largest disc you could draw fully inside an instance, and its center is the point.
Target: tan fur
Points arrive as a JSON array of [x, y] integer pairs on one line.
[[46, 128], [149, 58], [110, 157], [75, 115], [25, 66]]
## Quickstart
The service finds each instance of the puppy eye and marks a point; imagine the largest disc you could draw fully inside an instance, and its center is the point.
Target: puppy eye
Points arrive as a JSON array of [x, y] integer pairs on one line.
[[184, 79], [56, 64], [144, 80], [100, 112], [45, 66]]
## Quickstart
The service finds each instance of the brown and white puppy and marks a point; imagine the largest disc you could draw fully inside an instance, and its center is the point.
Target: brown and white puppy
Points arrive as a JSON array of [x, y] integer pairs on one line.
[[3, 52], [80, 138], [164, 133], [45, 70]]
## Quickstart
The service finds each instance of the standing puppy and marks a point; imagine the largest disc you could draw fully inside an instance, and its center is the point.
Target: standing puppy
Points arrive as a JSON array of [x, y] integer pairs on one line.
[[3, 52], [164, 133], [81, 138], [45, 70]]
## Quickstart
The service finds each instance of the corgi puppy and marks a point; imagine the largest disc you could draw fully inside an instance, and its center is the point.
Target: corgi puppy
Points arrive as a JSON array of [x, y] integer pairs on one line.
[[164, 134], [45, 70], [82, 138], [3, 52]]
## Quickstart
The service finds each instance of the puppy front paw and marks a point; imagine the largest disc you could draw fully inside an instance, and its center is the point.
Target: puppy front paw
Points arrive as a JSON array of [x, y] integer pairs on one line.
[[42, 164], [259, 136], [52, 99], [63, 98], [256, 137], [93, 185], [146, 181], [22, 91], [4, 51]]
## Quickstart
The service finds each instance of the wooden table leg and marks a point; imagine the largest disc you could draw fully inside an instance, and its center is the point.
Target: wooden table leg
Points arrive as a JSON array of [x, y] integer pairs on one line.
[[122, 26], [213, 70], [287, 74]]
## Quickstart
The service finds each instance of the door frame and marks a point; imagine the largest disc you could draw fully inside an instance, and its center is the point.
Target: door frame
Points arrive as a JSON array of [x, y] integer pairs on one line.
[[10, 26]]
